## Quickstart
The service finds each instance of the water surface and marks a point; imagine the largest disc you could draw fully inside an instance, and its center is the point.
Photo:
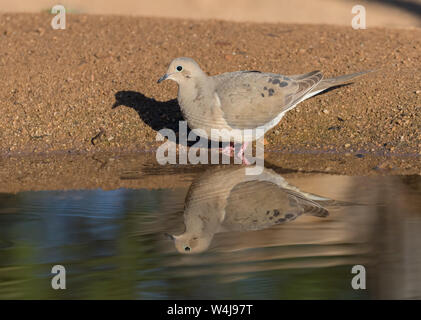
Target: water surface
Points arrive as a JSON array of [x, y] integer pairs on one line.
[[116, 244]]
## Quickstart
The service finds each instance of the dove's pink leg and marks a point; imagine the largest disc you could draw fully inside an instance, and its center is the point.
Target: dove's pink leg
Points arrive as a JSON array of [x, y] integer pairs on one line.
[[228, 149], [241, 155]]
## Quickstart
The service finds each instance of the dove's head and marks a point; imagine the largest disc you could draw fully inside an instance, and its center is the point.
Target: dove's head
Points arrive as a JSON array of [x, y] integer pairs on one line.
[[181, 70], [190, 243]]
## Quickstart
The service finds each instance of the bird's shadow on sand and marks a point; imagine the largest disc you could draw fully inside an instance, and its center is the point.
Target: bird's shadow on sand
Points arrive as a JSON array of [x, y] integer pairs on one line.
[[156, 114]]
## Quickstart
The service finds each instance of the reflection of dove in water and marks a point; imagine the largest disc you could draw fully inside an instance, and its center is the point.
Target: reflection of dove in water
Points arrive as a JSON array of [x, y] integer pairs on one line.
[[226, 199]]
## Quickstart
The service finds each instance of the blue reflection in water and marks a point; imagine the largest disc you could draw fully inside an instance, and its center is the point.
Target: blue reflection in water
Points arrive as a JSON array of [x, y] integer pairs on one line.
[[67, 226]]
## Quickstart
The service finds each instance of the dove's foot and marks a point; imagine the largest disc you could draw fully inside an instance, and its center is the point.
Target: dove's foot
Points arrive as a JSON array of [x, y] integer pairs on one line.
[[228, 150], [241, 154]]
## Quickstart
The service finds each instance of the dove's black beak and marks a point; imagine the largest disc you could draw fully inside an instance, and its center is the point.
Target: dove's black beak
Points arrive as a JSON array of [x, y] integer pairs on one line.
[[164, 77]]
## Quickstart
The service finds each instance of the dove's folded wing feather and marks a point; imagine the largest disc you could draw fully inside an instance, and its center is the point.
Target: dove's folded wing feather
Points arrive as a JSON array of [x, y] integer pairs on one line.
[[250, 99], [256, 205]]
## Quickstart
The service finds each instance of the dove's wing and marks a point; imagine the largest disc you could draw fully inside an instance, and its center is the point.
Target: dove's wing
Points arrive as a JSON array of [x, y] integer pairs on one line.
[[256, 205], [250, 99], [207, 198]]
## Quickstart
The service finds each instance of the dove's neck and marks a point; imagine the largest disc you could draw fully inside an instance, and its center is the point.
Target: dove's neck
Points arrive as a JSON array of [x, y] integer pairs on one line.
[[205, 222], [196, 93]]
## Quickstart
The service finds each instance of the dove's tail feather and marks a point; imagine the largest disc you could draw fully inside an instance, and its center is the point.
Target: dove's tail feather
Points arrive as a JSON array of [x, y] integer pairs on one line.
[[332, 82], [316, 211], [339, 204], [321, 211], [327, 83]]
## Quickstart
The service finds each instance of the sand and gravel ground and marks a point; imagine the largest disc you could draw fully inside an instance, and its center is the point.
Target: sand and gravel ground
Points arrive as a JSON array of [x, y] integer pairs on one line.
[[92, 87]]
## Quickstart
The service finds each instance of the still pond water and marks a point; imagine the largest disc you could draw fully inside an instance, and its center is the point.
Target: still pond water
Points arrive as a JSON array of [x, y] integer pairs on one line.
[[221, 235]]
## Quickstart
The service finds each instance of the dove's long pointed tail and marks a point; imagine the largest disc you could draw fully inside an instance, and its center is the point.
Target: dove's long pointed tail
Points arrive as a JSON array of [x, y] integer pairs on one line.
[[332, 82]]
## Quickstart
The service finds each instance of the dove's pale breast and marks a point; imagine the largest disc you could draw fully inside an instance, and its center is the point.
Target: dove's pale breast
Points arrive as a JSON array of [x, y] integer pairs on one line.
[[201, 106]]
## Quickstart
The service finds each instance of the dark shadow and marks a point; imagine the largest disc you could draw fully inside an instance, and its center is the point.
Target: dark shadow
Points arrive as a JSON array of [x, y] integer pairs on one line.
[[283, 170], [412, 7], [333, 88], [158, 115]]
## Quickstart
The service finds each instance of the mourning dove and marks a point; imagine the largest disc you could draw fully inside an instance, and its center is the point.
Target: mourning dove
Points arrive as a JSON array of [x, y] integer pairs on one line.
[[241, 101], [228, 199]]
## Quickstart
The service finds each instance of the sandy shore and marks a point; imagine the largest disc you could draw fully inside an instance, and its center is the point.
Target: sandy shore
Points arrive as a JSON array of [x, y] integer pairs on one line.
[[92, 87]]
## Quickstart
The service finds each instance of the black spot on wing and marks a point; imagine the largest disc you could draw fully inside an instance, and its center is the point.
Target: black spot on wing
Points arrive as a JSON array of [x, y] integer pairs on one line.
[[283, 84], [271, 92], [289, 215]]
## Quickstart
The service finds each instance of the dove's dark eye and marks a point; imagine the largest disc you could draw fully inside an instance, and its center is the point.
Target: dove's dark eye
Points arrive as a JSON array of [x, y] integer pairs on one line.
[[187, 249], [179, 68]]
